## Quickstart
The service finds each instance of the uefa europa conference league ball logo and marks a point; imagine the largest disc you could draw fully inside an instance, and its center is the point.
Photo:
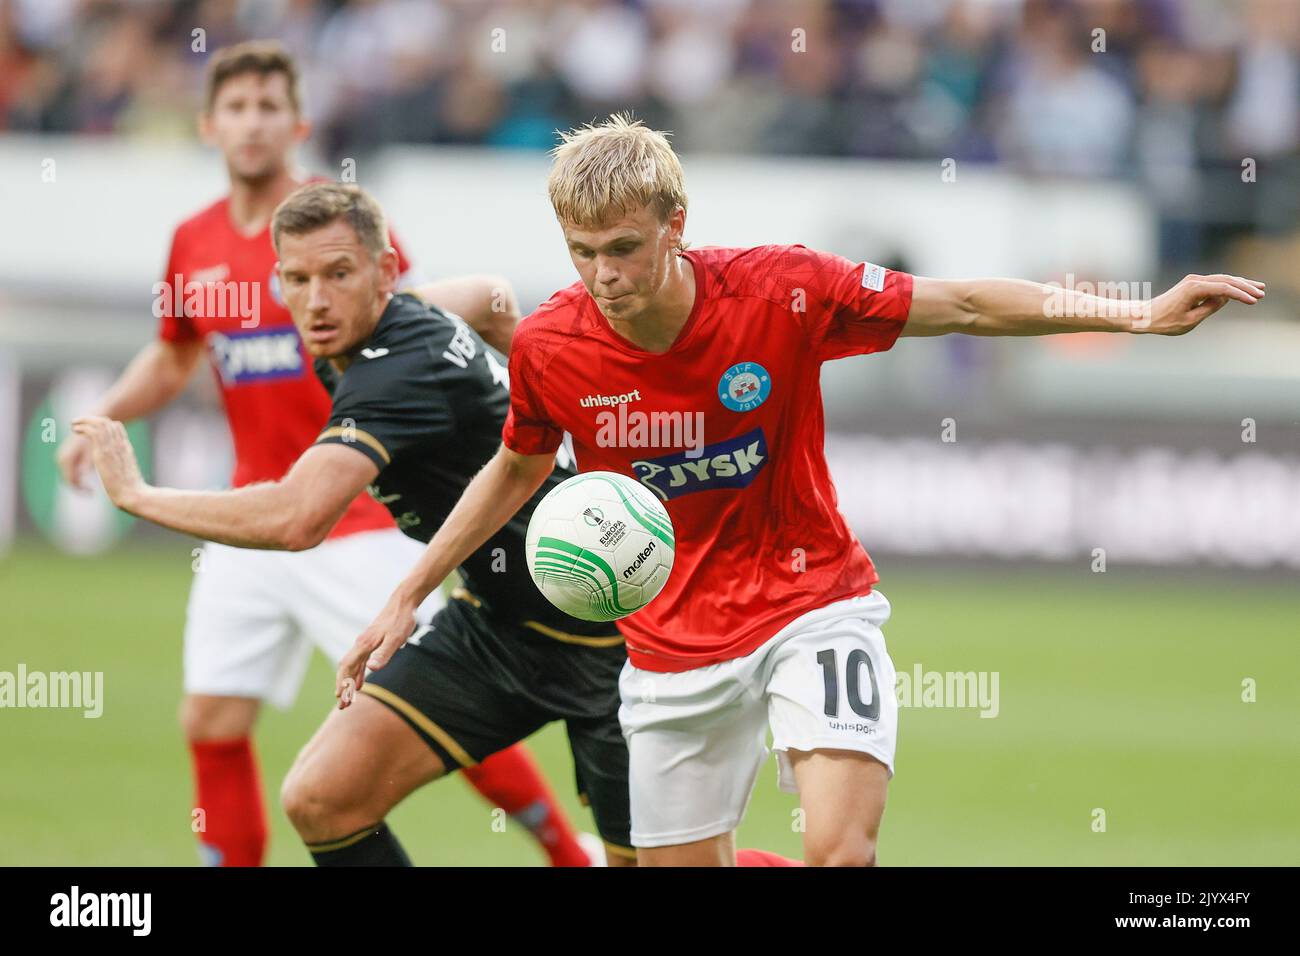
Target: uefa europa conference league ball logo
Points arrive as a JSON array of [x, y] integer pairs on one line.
[[599, 546]]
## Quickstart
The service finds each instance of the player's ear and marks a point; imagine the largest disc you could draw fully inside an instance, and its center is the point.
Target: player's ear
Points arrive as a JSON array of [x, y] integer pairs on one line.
[[204, 122], [390, 270], [677, 226], [302, 129]]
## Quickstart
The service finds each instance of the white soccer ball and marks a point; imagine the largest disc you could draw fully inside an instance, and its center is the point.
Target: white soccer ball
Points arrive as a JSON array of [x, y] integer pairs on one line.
[[600, 546]]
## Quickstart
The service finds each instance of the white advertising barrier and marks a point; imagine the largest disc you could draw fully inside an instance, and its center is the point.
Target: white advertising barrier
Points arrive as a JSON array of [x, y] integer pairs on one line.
[[465, 211], [98, 213], [1021, 500]]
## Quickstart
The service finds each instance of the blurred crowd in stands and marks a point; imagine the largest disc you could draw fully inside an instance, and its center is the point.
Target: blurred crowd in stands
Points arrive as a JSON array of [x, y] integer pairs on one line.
[[1171, 93]]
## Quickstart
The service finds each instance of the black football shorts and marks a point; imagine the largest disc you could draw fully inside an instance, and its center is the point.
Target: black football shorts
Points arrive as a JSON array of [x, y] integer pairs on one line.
[[472, 685]]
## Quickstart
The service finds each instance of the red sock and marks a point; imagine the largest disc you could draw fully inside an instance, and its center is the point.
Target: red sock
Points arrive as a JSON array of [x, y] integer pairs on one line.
[[232, 828], [509, 779], [764, 858]]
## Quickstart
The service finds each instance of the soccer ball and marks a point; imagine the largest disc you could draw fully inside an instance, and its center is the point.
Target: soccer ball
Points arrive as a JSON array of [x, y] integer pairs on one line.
[[600, 546]]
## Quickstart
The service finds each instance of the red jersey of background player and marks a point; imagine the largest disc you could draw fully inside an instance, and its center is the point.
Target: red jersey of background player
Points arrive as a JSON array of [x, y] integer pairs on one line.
[[759, 538], [229, 295]]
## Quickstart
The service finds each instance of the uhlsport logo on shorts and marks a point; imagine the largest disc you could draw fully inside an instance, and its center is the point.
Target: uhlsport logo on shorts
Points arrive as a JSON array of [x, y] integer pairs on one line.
[[744, 386], [733, 463]]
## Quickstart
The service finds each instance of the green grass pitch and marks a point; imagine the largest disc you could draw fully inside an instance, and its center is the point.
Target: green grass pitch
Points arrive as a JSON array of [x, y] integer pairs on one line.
[[1116, 694]]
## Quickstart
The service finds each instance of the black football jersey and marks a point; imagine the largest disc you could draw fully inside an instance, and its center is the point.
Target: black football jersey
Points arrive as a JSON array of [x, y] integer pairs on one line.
[[425, 399]]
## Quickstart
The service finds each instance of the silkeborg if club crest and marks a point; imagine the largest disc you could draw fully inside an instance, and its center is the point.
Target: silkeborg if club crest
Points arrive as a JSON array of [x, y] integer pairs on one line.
[[744, 386]]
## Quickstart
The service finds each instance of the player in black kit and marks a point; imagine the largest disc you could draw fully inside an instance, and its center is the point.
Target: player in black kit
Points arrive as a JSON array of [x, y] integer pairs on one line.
[[419, 403]]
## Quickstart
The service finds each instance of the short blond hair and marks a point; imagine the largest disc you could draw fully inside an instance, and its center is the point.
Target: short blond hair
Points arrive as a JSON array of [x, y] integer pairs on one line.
[[603, 170]]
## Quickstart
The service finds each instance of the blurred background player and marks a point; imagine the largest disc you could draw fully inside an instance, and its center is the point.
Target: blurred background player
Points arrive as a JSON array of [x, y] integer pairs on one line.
[[254, 616]]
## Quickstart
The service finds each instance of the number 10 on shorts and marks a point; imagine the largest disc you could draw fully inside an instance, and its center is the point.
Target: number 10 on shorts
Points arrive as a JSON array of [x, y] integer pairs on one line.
[[852, 681]]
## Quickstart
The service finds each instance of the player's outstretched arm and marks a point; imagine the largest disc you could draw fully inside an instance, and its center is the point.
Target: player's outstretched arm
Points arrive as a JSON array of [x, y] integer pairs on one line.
[[157, 374], [487, 303], [292, 514], [1016, 307], [488, 502]]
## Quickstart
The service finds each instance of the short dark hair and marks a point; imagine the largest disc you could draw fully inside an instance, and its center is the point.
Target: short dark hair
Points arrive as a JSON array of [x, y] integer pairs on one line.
[[317, 205], [263, 57]]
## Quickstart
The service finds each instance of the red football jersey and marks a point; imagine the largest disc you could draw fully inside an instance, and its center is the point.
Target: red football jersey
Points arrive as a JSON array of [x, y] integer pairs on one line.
[[221, 286], [759, 537]]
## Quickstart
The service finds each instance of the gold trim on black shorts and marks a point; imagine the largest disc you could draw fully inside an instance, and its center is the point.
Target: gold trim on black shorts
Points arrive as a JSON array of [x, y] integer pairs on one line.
[[461, 594], [626, 852], [422, 721]]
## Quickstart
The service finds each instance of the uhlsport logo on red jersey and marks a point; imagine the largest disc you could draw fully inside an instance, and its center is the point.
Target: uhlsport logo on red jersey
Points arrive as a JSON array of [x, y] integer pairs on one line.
[[733, 463]]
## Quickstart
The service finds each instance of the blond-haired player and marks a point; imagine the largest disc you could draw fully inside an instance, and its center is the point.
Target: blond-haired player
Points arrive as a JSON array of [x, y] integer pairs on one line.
[[772, 618]]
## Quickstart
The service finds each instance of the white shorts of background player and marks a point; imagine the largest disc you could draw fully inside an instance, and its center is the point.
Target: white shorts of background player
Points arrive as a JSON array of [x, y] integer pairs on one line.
[[254, 615]]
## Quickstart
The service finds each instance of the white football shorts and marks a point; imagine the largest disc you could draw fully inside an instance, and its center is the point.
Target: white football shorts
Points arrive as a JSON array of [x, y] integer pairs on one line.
[[254, 615], [697, 738]]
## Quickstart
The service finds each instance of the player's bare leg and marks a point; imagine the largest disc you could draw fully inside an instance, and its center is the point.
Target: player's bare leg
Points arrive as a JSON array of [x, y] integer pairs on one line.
[[229, 813], [842, 793], [619, 858], [360, 764], [714, 851], [205, 717]]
